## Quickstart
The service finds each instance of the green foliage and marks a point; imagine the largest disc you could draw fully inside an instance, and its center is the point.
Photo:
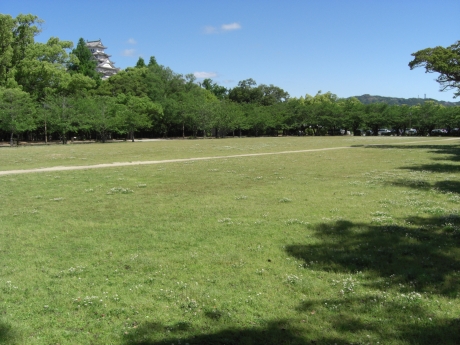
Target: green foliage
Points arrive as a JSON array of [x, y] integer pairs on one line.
[[6, 47], [63, 115], [16, 112], [219, 91], [103, 116], [137, 113], [445, 61], [140, 63], [43, 69], [86, 64], [17, 34], [153, 97]]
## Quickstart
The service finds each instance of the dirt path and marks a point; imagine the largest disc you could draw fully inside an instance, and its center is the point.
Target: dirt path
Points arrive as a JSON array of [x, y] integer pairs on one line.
[[122, 164]]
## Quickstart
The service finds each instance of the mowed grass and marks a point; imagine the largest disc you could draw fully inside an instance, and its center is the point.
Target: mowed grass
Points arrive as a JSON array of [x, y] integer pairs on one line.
[[26, 157], [329, 247]]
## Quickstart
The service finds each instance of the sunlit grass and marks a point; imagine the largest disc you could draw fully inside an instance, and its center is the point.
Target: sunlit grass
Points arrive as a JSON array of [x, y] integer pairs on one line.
[[346, 246], [27, 157]]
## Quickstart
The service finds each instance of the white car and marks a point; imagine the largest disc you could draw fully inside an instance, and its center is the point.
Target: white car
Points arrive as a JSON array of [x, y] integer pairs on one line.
[[384, 131]]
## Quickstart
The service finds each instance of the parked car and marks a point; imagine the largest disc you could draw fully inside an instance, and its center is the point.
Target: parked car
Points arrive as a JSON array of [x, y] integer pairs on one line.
[[411, 131], [438, 131], [455, 131], [384, 131]]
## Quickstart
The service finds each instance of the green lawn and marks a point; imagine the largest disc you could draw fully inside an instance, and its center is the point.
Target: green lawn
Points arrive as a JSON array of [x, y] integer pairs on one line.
[[326, 247]]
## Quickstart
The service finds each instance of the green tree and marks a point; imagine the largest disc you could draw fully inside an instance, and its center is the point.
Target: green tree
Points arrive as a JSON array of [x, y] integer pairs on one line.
[[445, 61], [44, 68], [219, 91], [352, 110], [427, 117], [138, 113], [246, 92], [152, 62], [16, 35], [62, 115], [140, 63], [16, 112], [374, 116], [103, 115], [272, 94], [86, 64], [6, 48]]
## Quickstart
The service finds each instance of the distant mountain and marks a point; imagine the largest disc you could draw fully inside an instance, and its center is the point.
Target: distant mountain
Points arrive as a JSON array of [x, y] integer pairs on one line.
[[368, 99]]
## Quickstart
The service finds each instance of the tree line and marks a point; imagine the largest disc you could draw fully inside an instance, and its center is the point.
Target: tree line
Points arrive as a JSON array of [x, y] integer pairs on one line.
[[49, 91]]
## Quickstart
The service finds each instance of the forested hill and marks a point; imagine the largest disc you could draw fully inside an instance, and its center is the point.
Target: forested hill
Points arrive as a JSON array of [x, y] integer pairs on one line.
[[368, 99]]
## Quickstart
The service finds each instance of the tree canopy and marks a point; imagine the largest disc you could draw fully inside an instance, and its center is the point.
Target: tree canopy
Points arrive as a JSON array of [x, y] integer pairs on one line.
[[445, 61], [50, 91]]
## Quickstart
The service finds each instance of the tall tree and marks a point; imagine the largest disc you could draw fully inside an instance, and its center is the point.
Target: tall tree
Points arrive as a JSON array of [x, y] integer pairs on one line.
[[152, 62], [43, 69], [140, 63], [6, 48], [138, 113], [16, 112], [63, 114], [219, 91], [445, 61], [16, 35], [86, 64], [102, 115]]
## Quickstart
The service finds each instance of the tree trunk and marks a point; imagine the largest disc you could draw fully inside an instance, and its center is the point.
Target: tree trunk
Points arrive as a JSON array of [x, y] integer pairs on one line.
[[11, 139], [46, 135]]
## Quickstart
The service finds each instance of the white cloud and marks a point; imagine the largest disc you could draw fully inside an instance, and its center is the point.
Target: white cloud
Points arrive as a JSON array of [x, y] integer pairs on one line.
[[132, 41], [204, 75], [129, 52], [209, 30], [223, 28], [231, 27]]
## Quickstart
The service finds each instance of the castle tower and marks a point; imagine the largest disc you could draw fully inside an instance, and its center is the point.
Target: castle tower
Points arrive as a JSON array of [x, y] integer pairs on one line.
[[104, 65]]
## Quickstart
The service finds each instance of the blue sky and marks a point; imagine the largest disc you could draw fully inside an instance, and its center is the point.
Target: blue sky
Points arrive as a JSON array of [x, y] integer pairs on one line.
[[348, 47]]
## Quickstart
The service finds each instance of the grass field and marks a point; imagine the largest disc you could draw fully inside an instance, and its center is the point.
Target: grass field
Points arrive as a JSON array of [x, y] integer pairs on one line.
[[345, 246]]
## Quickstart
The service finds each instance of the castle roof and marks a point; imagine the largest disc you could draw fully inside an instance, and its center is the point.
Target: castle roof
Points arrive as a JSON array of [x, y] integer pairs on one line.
[[95, 44], [104, 65]]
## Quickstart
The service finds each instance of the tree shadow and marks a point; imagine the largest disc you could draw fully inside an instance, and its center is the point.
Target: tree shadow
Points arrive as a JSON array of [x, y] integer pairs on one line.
[[415, 326], [276, 332], [435, 168], [450, 151], [420, 254], [7, 334], [400, 265]]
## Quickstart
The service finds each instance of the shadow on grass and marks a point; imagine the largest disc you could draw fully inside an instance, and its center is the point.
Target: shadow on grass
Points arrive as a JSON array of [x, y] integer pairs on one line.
[[386, 321], [447, 186], [410, 331], [277, 332], [451, 152], [449, 149], [421, 254], [407, 261], [7, 335]]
